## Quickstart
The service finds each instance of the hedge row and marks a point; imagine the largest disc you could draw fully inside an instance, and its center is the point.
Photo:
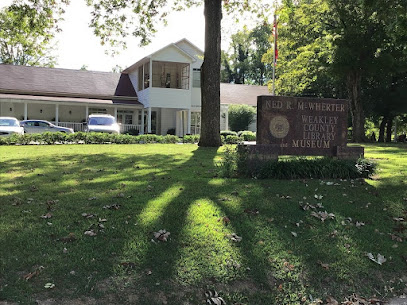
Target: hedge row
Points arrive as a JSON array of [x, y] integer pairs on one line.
[[305, 168], [228, 137], [93, 138]]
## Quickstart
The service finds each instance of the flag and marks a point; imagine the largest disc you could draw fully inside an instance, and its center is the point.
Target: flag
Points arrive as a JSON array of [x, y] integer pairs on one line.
[[275, 33]]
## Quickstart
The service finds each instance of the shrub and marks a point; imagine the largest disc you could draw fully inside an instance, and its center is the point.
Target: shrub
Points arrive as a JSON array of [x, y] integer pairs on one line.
[[191, 139], [233, 140], [227, 167], [303, 168], [170, 139], [225, 133], [247, 135], [241, 116]]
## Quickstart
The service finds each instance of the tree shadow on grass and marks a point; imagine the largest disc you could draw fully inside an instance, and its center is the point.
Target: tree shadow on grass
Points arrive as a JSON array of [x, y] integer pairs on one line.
[[123, 263]]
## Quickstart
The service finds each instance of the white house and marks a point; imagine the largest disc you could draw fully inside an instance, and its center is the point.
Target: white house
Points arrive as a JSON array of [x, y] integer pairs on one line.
[[158, 94]]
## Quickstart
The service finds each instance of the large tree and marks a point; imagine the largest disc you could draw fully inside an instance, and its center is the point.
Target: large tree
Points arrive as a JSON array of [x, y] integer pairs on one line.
[[27, 29], [328, 45], [244, 64]]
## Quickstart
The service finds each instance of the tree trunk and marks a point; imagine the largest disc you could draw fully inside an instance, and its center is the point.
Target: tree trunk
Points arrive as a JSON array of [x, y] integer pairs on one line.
[[388, 129], [381, 129], [356, 106], [210, 77]]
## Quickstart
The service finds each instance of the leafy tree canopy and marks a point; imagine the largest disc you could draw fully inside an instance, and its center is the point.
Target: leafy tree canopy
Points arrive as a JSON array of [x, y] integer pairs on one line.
[[27, 29]]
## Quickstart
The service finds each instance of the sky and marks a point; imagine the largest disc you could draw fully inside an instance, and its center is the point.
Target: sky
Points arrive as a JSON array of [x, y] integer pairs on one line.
[[77, 46]]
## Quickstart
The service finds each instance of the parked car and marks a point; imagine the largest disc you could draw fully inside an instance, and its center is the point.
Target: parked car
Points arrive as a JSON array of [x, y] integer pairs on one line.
[[41, 126], [102, 123], [9, 126]]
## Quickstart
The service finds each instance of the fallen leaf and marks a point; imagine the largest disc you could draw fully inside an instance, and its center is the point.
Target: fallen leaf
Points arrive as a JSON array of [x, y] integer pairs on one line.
[[34, 273], [162, 235], [92, 198], [323, 265], [88, 215], [331, 301], [90, 233], [226, 220], [112, 207], [212, 297], [49, 285], [251, 212], [294, 234], [46, 216], [234, 237], [69, 238], [380, 258]]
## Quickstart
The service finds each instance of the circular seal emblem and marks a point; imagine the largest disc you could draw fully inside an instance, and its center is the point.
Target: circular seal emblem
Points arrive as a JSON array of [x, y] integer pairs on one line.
[[279, 126]]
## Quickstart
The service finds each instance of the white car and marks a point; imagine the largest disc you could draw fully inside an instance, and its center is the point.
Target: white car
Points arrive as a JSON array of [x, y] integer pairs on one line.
[[102, 123], [10, 126]]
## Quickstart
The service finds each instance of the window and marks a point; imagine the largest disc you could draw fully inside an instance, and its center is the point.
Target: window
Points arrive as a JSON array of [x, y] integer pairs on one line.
[[196, 78], [170, 75], [195, 122], [146, 75], [140, 78], [97, 111], [125, 117]]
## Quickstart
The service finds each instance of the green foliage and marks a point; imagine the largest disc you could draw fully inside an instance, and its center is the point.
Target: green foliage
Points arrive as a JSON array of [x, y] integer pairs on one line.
[[305, 168], [243, 63], [233, 140], [241, 116], [227, 166], [88, 138], [247, 135], [321, 54], [225, 133], [27, 30], [190, 139]]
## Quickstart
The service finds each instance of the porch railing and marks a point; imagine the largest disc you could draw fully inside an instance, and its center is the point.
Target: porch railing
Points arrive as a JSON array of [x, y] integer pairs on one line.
[[75, 126], [126, 127], [81, 126]]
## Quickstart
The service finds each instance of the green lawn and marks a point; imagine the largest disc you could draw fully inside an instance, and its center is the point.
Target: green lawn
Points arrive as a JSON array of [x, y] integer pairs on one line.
[[122, 194]]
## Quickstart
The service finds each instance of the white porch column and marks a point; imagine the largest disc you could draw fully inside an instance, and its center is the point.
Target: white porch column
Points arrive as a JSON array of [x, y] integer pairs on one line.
[[149, 120], [227, 117], [189, 122], [25, 111], [86, 112], [115, 113], [151, 74], [142, 122], [56, 114]]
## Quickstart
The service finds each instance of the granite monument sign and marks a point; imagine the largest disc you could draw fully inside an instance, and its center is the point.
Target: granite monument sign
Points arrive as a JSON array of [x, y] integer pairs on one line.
[[303, 126]]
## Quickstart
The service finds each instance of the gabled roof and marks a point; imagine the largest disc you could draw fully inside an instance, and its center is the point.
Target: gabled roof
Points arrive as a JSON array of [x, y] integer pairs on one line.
[[51, 82], [136, 64], [191, 44], [241, 94]]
